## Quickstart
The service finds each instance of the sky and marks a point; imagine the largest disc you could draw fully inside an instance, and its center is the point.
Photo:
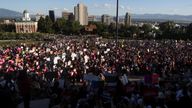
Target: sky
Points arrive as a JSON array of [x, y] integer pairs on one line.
[[99, 7]]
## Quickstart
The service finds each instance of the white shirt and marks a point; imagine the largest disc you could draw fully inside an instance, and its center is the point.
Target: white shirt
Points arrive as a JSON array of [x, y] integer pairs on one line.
[[56, 59], [63, 57], [86, 58], [73, 56], [69, 63]]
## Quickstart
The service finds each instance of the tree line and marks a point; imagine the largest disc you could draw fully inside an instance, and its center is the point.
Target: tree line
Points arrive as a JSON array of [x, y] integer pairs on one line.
[[165, 30], [7, 28], [60, 26]]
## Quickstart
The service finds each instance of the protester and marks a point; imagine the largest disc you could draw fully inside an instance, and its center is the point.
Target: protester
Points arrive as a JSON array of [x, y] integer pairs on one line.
[[24, 85], [166, 65]]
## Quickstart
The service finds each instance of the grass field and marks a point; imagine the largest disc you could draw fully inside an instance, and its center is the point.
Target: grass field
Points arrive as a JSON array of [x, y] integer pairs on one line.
[[4, 43]]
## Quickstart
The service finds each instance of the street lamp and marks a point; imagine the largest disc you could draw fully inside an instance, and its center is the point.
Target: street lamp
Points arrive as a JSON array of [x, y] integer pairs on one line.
[[117, 20]]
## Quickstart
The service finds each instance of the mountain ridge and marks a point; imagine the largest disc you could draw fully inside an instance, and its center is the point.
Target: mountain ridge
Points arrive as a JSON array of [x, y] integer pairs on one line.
[[6, 13]]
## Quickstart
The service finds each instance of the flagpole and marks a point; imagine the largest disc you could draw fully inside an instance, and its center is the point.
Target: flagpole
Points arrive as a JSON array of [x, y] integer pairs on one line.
[[117, 20]]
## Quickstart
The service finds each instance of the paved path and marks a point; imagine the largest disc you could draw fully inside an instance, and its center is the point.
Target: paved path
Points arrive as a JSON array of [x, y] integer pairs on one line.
[[44, 103]]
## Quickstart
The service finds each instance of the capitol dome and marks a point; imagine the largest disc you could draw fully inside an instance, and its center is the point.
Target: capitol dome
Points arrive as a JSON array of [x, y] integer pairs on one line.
[[25, 11], [26, 16]]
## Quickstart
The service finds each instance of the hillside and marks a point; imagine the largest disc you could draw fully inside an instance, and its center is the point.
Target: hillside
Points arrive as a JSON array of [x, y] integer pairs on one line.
[[6, 13]]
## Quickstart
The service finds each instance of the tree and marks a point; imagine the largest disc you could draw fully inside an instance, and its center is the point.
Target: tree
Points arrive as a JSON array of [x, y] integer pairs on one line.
[[73, 27], [41, 25], [189, 31], [123, 31], [112, 29], [45, 25], [134, 31], [101, 28], [167, 29], [7, 27], [48, 25], [146, 29], [167, 26], [60, 25]]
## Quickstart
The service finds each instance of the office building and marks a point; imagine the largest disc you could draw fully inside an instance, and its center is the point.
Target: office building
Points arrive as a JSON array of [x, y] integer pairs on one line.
[[52, 15], [81, 14], [68, 16], [106, 19], [127, 19]]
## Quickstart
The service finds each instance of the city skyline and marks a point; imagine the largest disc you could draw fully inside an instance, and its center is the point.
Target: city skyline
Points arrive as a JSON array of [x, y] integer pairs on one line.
[[99, 7]]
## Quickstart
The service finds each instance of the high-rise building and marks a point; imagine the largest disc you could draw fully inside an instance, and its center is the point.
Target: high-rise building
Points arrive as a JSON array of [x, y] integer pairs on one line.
[[106, 19], [127, 19], [81, 14], [68, 16], [52, 15]]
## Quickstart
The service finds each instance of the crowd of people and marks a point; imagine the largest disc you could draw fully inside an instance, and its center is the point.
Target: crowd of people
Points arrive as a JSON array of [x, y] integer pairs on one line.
[[44, 67]]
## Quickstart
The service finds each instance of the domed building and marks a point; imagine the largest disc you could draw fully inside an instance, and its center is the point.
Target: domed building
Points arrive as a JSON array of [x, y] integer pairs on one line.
[[26, 16], [26, 25]]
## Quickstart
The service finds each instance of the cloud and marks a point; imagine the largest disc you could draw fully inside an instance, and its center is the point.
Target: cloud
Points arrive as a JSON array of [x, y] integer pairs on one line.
[[104, 6], [141, 9], [175, 10], [55, 8], [122, 7], [96, 5], [110, 6], [65, 9]]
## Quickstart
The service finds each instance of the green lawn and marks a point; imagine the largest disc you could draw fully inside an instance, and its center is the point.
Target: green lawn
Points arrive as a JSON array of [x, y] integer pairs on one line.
[[16, 42]]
